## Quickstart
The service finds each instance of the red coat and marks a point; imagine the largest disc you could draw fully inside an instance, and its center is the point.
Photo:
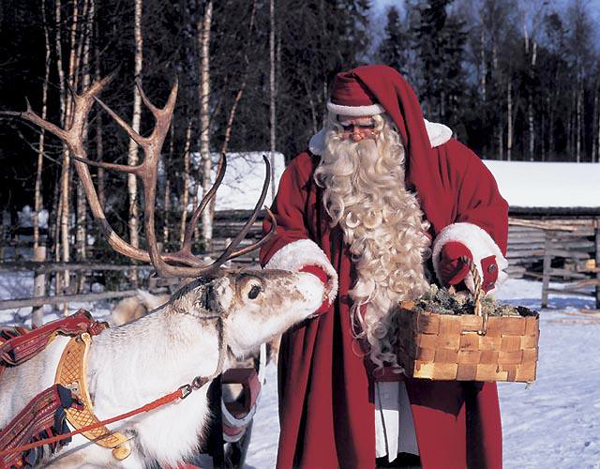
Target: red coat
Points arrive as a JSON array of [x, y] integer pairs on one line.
[[326, 403]]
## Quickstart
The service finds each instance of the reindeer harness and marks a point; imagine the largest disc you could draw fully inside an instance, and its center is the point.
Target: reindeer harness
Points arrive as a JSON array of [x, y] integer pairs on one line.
[[69, 397]]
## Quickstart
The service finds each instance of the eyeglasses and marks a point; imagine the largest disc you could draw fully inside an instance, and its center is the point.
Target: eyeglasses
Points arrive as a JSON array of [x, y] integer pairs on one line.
[[358, 130]]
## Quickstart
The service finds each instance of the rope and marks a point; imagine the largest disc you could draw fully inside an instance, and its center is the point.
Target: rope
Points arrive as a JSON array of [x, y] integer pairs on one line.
[[478, 293], [179, 394]]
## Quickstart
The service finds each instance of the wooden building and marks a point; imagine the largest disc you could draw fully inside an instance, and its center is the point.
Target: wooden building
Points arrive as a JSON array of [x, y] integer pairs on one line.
[[554, 224]]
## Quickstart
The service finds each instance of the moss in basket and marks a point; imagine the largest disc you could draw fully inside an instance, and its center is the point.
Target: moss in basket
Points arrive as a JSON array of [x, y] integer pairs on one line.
[[443, 301]]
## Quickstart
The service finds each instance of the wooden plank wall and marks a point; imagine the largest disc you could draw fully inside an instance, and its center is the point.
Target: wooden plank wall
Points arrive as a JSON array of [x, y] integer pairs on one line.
[[574, 244]]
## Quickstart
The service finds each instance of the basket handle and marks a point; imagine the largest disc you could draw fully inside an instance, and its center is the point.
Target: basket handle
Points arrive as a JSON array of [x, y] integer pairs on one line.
[[478, 293]]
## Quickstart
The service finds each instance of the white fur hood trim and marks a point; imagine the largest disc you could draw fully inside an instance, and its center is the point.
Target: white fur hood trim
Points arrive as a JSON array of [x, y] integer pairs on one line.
[[438, 135], [297, 254], [481, 245]]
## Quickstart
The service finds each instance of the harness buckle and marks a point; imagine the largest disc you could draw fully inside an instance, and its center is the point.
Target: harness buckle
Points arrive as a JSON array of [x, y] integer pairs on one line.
[[186, 390]]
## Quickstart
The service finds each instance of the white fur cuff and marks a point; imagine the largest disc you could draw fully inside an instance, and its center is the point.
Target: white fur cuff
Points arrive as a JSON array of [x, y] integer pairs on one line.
[[298, 254], [481, 245]]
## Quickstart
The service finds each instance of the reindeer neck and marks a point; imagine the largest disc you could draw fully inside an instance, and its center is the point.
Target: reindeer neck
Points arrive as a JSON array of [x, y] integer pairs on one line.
[[155, 354]]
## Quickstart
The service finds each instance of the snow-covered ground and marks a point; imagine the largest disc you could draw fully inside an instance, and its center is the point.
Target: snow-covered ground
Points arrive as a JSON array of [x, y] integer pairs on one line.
[[553, 423]]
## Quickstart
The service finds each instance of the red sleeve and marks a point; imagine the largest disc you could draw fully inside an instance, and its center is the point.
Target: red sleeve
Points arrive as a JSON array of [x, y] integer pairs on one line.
[[289, 207], [479, 200]]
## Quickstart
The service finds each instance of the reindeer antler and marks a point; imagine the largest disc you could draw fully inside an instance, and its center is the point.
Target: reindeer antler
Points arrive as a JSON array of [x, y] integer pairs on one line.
[[166, 264]]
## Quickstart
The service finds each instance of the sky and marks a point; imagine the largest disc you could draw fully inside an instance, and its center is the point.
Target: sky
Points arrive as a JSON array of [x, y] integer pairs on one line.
[[379, 7]]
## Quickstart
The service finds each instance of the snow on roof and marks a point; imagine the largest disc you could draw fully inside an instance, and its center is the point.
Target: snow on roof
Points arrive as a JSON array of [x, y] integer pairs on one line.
[[244, 179], [522, 184], [535, 184]]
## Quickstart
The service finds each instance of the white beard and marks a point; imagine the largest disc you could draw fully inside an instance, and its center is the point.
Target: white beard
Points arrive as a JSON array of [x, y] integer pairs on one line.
[[383, 225]]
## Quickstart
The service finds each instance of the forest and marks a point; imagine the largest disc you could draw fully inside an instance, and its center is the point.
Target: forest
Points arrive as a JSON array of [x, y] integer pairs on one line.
[[514, 79]]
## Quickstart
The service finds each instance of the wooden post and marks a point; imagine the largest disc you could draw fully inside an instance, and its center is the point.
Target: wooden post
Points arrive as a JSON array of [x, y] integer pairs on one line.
[[597, 233], [547, 267], [39, 287]]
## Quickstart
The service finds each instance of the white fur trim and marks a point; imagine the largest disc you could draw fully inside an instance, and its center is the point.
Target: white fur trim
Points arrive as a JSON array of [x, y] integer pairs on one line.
[[355, 111], [438, 135], [316, 145], [298, 254], [479, 242]]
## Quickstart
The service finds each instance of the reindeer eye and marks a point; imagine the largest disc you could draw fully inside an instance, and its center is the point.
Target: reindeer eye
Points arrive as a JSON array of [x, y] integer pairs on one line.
[[254, 292]]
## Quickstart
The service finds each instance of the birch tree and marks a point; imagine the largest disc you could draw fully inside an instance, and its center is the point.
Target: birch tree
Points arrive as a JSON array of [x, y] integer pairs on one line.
[[204, 30], [38, 196], [62, 211], [272, 93], [132, 154]]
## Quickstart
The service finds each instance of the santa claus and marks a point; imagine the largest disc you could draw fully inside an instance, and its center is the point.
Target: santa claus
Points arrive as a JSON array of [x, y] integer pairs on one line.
[[382, 203]]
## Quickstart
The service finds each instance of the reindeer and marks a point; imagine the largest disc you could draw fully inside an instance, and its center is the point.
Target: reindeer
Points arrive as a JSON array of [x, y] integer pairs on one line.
[[140, 304], [222, 314]]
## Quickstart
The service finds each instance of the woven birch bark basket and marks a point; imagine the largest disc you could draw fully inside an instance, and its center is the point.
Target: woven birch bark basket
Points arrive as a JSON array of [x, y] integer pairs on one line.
[[468, 347]]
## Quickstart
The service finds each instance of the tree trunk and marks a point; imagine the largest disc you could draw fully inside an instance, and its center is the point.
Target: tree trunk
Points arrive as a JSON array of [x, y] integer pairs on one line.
[[594, 124], [81, 232], [509, 130], [530, 116], [204, 46], [185, 198], [501, 141], [483, 77], [272, 93], [167, 208], [598, 124], [132, 154], [62, 223], [99, 139], [72, 83], [578, 121], [38, 200]]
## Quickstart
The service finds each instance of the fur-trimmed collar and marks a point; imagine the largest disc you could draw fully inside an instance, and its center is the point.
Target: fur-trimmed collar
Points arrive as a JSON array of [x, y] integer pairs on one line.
[[438, 135]]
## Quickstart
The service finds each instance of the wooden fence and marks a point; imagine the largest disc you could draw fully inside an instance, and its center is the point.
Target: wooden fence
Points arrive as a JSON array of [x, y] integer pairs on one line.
[[557, 247], [226, 226], [548, 249]]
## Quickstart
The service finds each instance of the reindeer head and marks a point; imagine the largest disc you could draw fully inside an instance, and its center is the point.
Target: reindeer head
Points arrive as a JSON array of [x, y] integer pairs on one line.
[[255, 305]]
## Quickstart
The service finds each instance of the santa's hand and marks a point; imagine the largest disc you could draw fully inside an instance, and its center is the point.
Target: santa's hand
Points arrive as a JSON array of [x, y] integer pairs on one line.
[[323, 277], [452, 270]]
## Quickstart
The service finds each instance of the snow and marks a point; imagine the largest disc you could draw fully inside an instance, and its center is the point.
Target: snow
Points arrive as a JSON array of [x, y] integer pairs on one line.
[[534, 184], [244, 178], [553, 423], [522, 184]]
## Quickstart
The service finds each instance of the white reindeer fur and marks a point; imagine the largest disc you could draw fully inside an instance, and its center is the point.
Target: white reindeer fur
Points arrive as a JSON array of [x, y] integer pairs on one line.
[[134, 364]]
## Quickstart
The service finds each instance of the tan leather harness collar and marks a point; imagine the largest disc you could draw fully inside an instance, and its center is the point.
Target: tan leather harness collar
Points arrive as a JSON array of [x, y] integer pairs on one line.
[[72, 374]]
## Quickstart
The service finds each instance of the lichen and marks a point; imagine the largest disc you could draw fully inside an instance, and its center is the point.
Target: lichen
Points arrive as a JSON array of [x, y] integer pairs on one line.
[[442, 301]]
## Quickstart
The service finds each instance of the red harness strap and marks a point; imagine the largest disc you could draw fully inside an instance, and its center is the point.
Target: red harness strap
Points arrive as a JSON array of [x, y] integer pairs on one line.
[[22, 347], [43, 417]]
